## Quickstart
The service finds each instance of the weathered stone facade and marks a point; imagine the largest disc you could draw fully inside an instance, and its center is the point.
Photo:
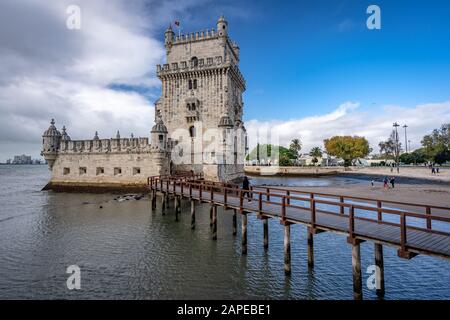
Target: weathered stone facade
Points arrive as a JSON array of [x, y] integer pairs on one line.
[[201, 101], [115, 163], [198, 126]]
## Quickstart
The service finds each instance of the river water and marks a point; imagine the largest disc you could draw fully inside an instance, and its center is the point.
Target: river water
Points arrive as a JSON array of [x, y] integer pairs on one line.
[[126, 251]]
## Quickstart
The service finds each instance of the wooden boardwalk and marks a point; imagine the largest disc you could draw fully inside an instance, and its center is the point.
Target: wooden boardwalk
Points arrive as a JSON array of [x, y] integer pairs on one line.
[[414, 230]]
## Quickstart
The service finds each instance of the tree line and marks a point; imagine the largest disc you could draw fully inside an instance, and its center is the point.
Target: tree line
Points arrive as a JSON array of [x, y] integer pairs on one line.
[[435, 148]]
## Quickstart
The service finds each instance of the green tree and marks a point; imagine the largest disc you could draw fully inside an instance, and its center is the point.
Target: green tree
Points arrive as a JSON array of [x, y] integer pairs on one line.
[[347, 147], [270, 153], [284, 161], [387, 148], [295, 147], [315, 152], [437, 144]]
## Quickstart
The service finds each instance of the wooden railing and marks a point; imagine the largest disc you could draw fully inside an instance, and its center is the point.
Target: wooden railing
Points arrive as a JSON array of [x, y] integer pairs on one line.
[[287, 199]]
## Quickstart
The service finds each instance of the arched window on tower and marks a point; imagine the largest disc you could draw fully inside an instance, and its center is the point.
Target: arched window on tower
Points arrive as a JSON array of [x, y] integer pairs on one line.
[[195, 84], [190, 85], [194, 62], [192, 131]]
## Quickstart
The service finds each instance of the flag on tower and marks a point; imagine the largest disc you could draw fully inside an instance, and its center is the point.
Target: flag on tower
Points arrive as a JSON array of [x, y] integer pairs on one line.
[[177, 23]]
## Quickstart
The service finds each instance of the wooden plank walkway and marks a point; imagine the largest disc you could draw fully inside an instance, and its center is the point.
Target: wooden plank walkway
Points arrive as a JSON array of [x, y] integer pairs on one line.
[[412, 232]]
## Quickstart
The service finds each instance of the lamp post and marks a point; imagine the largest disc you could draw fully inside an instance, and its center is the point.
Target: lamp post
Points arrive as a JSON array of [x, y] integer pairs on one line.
[[406, 139], [397, 149]]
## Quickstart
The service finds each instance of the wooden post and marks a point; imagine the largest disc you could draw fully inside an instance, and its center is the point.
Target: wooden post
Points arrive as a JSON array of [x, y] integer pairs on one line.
[[266, 233], [176, 201], [167, 199], [356, 267], [310, 248], [192, 214], [287, 248], [380, 212], [428, 212], [151, 199], [154, 200], [234, 222], [214, 231], [244, 234], [163, 203], [379, 263], [342, 208], [211, 215]]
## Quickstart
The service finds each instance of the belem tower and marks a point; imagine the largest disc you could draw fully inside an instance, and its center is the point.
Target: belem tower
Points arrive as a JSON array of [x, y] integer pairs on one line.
[[198, 123]]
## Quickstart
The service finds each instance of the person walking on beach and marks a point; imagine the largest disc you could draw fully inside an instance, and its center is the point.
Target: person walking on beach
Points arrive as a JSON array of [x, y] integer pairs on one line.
[[246, 188], [433, 170], [392, 181]]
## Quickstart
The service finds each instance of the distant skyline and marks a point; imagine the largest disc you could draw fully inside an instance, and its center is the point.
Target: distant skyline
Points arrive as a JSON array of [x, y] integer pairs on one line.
[[313, 69]]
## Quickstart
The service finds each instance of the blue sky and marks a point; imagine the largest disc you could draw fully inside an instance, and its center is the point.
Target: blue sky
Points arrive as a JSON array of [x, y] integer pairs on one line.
[[301, 58]]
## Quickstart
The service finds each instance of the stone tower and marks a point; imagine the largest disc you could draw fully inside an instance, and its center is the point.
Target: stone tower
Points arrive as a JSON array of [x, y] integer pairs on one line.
[[201, 102]]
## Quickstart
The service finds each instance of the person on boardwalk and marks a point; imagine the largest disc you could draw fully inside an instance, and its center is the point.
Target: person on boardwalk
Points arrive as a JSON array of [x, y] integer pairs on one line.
[[246, 188], [392, 181], [385, 183], [372, 182]]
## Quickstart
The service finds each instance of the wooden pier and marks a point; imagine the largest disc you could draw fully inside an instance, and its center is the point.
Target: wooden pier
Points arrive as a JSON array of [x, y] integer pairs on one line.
[[411, 228]]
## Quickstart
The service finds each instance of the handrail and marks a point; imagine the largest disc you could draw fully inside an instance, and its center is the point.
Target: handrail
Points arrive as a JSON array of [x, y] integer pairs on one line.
[[216, 188]]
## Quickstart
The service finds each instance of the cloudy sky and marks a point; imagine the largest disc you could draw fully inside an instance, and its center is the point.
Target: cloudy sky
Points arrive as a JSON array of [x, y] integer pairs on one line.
[[314, 71]]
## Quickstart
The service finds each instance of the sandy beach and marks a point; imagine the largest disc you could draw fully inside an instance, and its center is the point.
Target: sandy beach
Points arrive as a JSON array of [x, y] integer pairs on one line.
[[416, 174], [427, 194]]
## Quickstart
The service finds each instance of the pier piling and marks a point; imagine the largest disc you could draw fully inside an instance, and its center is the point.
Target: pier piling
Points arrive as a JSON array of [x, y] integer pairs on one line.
[[266, 233], [234, 222], [214, 221], [154, 199], [244, 233], [211, 215], [379, 263], [176, 204], [310, 248], [356, 267], [287, 248], [163, 203], [192, 214]]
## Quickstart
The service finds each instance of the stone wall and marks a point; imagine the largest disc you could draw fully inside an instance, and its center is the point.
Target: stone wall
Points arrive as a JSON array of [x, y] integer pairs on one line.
[[106, 170]]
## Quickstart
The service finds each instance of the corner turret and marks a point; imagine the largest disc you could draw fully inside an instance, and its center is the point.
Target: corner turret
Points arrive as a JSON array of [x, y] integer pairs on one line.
[[159, 134], [169, 36], [51, 140], [222, 27]]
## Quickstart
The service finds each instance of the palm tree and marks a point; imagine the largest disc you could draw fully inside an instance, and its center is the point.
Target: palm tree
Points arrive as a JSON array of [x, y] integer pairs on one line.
[[315, 152], [295, 146]]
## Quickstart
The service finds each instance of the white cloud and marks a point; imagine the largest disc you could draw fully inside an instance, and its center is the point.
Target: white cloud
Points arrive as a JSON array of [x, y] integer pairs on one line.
[[375, 124], [48, 71]]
